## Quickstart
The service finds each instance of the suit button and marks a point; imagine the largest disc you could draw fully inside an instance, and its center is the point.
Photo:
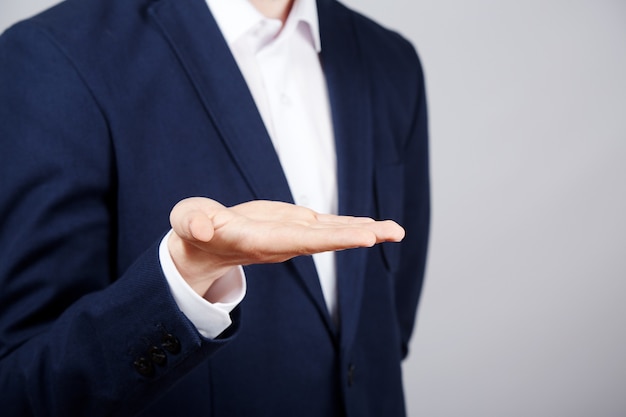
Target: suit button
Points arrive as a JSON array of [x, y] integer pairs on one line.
[[350, 375], [157, 355], [144, 367], [170, 343]]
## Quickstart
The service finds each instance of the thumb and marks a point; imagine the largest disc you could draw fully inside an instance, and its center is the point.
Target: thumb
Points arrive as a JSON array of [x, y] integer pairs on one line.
[[191, 219]]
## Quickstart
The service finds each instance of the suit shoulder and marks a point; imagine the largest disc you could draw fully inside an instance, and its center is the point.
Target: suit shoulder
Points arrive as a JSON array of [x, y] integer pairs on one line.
[[389, 59], [81, 23], [382, 43]]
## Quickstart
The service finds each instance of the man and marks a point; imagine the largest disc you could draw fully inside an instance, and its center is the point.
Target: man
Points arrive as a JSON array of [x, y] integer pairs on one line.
[[114, 111]]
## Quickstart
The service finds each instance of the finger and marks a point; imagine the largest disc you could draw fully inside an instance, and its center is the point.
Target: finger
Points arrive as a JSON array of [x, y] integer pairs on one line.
[[315, 240], [368, 234], [281, 241], [191, 219], [192, 225], [200, 226], [386, 231], [350, 237]]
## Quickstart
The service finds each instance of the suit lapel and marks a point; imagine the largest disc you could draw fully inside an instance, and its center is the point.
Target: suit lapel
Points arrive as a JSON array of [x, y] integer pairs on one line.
[[351, 111], [194, 35]]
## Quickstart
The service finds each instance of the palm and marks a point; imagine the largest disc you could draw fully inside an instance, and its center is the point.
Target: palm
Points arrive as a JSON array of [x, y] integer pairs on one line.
[[266, 232]]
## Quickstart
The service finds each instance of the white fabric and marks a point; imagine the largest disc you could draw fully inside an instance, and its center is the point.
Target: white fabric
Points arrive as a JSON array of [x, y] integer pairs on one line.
[[281, 66], [210, 319]]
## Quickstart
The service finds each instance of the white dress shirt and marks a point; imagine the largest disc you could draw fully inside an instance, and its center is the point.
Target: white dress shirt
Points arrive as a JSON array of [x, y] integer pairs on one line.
[[281, 67]]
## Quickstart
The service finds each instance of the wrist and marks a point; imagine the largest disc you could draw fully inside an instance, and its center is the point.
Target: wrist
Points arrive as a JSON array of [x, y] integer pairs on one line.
[[195, 266]]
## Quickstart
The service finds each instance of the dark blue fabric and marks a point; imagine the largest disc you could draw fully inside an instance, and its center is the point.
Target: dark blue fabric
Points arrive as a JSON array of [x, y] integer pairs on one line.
[[111, 111]]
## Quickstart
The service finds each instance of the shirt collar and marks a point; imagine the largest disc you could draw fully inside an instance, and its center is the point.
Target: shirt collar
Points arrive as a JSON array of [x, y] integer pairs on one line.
[[236, 17]]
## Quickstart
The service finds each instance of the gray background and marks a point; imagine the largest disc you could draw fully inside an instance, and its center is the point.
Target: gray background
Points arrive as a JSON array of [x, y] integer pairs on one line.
[[523, 312]]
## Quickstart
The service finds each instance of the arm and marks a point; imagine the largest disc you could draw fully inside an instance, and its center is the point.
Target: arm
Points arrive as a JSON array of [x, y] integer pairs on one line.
[[72, 328]]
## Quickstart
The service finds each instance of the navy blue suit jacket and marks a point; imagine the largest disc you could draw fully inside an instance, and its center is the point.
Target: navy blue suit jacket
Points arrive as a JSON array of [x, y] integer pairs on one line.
[[111, 112]]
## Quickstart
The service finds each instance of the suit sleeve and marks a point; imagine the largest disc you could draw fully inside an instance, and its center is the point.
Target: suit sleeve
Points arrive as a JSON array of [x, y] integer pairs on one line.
[[77, 337]]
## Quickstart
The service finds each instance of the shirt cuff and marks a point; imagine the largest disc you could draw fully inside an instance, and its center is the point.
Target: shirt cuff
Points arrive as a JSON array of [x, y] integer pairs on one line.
[[210, 318]]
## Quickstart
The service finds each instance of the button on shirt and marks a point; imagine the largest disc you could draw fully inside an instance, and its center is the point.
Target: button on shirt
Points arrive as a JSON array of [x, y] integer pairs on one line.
[[280, 64]]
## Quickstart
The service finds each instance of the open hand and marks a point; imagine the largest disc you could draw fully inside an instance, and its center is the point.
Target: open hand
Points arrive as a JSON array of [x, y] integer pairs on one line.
[[210, 238]]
